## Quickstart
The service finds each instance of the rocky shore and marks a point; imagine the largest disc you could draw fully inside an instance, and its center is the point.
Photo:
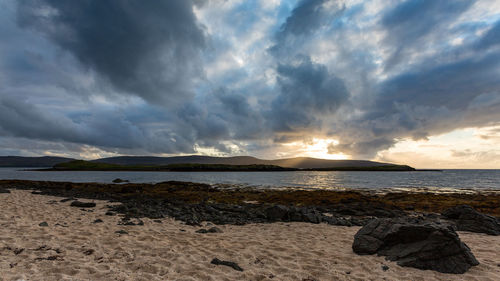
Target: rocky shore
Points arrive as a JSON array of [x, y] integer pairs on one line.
[[390, 220]]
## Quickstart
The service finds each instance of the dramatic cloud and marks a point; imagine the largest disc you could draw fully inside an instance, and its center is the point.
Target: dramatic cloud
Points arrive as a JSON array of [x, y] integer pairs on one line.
[[149, 49], [355, 78], [307, 90]]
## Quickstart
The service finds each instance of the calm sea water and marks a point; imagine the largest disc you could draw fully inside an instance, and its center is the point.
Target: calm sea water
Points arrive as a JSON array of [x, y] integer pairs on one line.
[[445, 180]]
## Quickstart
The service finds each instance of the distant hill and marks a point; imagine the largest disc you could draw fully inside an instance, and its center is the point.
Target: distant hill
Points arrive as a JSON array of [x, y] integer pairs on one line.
[[297, 162], [28, 162]]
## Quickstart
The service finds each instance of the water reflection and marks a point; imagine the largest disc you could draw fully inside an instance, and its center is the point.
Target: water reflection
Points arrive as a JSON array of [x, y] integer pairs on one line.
[[443, 181]]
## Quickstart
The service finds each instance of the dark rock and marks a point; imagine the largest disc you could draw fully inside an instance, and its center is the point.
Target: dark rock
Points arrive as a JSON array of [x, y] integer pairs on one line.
[[276, 212], [468, 219], [121, 232], [82, 204], [109, 214], [231, 264], [66, 200], [36, 192], [3, 190], [413, 243], [210, 230], [214, 230], [17, 251], [385, 267], [88, 252], [43, 224], [51, 258], [98, 221], [118, 180], [157, 221]]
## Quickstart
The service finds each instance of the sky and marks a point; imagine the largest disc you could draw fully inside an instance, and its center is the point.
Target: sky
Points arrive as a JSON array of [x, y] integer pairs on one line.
[[415, 82]]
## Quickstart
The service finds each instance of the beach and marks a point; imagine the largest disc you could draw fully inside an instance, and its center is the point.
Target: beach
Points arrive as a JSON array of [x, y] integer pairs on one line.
[[73, 246]]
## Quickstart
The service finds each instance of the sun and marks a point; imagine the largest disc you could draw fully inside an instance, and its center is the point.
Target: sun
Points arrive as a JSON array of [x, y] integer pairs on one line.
[[316, 148]]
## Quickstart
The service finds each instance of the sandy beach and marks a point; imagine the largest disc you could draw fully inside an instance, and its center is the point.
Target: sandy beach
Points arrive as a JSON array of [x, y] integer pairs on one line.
[[73, 247]]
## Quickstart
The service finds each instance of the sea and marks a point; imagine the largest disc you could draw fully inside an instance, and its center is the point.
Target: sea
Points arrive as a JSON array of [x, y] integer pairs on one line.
[[418, 181]]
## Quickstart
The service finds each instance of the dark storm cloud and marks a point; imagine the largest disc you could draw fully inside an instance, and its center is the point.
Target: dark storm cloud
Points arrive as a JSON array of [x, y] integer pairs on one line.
[[108, 129], [413, 20], [491, 38], [21, 119], [334, 76], [145, 48], [452, 85], [428, 99], [307, 18], [307, 89]]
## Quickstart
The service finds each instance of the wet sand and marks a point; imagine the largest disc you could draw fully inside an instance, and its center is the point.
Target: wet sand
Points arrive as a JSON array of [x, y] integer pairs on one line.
[[73, 247]]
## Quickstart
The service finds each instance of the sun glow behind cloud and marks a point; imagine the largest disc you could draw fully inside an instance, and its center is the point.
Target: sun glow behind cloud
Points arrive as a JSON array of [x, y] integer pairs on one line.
[[469, 148], [316, 148]]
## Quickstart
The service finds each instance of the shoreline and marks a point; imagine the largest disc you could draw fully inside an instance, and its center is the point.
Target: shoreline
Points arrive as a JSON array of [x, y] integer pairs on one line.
[[189, 193], [85, 243]]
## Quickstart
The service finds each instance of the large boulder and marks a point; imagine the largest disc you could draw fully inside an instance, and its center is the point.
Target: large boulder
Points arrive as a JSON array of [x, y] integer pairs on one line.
[[413, 243], [468, 219]]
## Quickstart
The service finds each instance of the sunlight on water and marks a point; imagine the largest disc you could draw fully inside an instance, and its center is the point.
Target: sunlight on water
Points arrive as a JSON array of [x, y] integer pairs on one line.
[[446, 181]]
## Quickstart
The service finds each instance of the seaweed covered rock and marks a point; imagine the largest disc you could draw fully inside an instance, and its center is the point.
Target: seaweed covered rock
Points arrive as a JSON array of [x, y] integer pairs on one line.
[[468, 219], [80, 204], [414, 243]]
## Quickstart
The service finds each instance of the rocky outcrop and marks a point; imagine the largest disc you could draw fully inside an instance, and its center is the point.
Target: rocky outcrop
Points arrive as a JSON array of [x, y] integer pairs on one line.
[[468, 219], [118, 180], [415, 243], [80, 204], [4, 190]]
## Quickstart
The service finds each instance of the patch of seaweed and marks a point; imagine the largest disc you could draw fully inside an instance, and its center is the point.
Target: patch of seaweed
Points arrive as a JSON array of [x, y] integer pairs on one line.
[[193, 193]]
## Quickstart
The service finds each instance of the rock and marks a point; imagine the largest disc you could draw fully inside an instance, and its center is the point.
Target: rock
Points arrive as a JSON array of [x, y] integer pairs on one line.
[[468, 219], [121, 232], [276, 212], [157, 221], [231, 264], [419, 244], [43, 224], [98, 221], [82, 204], [17, 251], [214, 230], [118, 180], [109, 214], [88, 252], [385, 267], [66, 200], [3, 190], [210, 230]]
